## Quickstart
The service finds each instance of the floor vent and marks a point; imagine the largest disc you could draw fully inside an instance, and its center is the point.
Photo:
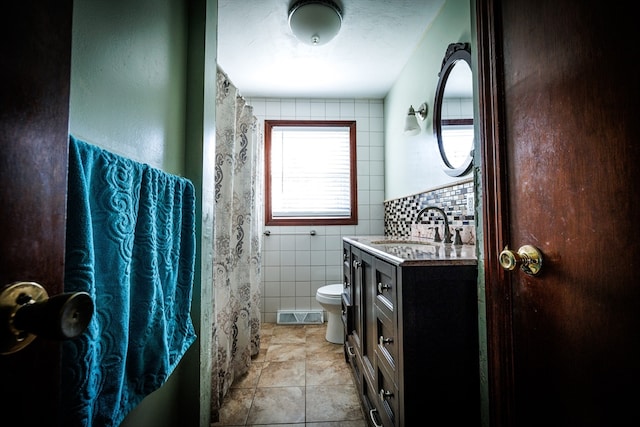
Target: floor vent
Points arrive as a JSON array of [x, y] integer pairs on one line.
[[300, 317]]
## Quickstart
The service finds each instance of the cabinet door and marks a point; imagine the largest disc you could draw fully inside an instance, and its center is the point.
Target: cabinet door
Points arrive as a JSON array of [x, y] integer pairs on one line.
[[347, 298], [357, 273], [346, 273], [364, 312]]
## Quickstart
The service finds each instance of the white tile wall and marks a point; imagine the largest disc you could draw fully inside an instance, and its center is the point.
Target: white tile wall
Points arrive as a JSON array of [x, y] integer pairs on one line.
[[294, 266]]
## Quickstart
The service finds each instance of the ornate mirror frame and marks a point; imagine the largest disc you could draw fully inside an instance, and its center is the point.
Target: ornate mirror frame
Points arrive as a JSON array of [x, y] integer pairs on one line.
[[455, 52]]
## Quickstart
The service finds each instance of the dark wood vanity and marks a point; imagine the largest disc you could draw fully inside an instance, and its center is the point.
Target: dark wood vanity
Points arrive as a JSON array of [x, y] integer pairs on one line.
[[411, 331]]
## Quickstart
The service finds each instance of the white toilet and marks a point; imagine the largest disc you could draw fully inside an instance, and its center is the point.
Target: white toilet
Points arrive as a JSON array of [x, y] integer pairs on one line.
[[330, 298]]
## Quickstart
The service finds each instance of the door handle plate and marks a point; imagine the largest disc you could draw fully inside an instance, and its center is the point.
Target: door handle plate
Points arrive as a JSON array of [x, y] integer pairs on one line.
[[12, 298], [26, 311]]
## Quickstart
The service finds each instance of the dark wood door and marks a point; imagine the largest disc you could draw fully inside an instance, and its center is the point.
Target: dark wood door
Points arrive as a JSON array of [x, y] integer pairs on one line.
[[34, 108], [560, 98]]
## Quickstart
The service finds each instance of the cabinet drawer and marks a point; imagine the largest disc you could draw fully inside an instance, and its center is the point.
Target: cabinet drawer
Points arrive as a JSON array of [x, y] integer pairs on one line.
[[387, 396], [387, 340], [385, 279], [370, 405]]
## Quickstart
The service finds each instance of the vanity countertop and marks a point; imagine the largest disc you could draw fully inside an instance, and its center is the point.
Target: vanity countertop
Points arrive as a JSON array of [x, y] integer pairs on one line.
[[406, 252]]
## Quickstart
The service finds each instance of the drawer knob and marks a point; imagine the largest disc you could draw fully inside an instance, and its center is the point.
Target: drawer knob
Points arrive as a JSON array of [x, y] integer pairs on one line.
[[383, 287], [383, 341], [384, 394]]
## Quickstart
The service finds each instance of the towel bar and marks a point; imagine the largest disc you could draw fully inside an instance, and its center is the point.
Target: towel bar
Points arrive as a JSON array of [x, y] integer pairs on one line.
[[294, 233]]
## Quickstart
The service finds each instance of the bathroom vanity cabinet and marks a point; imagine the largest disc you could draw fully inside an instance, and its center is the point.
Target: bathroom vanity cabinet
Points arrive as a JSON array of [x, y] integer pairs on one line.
[[411, 334]]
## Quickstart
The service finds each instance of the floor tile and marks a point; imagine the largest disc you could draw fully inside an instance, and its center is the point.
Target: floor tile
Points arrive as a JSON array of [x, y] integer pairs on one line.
[[351, 423], [328, 372], [284, 352], [278, 405], [298, 379], [266, 329], [288, 335], [279, 425], [235, 408], [250, 379], [323, 350], [282, 374], [332, 403], [315, 331]]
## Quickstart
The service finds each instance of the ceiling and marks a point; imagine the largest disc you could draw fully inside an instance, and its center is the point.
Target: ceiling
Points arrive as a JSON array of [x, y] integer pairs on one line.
[[258, 52]]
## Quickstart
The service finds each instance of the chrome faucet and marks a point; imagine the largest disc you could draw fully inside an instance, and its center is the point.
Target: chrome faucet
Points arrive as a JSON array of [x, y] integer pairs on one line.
[[447, 231]]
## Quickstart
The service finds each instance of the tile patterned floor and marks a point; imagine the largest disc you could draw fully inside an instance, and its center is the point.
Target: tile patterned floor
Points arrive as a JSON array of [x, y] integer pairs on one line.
[[298, 379]]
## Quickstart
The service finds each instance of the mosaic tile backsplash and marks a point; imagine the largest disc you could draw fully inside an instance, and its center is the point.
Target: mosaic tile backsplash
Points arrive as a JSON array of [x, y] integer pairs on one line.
[[457, 200]]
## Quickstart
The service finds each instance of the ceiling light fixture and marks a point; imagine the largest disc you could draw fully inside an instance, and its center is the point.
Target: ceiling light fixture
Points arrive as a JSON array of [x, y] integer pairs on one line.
[[315, 22], [411, 126]]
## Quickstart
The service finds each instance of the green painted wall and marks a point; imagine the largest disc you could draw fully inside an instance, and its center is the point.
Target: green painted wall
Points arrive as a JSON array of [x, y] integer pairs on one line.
[[141, 87], [412, 163], [128, 79]]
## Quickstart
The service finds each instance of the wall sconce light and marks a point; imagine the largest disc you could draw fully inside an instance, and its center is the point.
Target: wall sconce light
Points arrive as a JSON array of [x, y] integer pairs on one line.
[[315, 22], [411, 126]]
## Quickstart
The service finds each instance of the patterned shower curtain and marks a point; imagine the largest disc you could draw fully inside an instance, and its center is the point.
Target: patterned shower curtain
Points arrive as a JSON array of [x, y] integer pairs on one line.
[[237, 240]]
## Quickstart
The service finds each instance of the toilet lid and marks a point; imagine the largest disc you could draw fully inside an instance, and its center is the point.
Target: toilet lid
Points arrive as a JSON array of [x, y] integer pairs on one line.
[[331, 290]]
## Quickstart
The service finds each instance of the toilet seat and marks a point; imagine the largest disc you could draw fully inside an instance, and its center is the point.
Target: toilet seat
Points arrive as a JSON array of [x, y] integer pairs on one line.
[[330, 294]]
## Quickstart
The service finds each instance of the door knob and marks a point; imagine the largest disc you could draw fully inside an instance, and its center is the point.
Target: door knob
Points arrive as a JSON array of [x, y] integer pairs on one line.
[[26, 311], [528, 257]]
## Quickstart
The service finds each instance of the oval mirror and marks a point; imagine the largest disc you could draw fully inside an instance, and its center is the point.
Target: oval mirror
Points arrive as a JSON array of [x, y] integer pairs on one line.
[[453, 110]]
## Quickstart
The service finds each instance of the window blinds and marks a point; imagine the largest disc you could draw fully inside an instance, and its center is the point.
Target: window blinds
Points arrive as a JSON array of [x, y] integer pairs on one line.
[[310, 172]]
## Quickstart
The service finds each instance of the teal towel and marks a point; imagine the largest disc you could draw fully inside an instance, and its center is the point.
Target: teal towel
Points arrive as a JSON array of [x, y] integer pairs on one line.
[[130, 245]]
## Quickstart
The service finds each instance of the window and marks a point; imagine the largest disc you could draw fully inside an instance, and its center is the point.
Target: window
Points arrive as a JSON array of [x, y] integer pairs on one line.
[[459, 137], [310, 169]]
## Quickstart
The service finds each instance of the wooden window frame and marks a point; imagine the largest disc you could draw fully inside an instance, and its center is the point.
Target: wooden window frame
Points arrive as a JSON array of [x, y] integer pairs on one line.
[[308, 220]]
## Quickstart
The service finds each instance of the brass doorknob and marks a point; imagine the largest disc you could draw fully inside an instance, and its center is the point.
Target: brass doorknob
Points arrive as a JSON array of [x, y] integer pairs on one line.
[[26, 311], [528, 257]]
